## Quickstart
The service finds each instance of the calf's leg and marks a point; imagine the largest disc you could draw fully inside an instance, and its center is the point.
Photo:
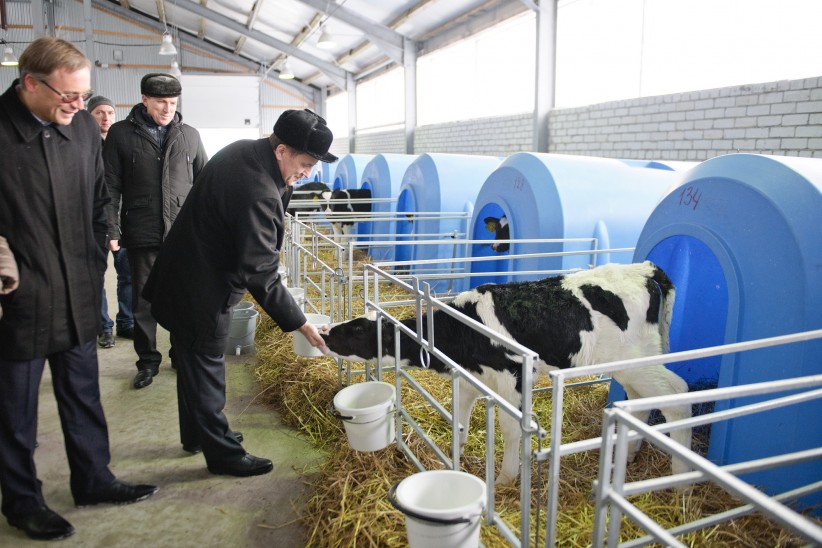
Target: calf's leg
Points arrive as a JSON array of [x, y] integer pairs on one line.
[[658, 380]]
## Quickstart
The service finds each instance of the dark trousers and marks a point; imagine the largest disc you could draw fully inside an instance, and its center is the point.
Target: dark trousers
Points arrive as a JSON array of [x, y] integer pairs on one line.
[[200, 402], [124, 319], [141, 260], [74, 375]]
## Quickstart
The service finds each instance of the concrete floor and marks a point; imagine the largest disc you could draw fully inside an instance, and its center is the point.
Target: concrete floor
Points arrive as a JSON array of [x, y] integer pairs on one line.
[[193, 507]]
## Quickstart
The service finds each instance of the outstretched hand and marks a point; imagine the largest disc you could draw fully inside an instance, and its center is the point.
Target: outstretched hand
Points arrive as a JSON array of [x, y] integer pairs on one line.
[[311, 333]]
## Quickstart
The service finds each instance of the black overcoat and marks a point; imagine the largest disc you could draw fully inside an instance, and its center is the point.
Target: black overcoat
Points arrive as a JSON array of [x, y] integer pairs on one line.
[[149, 183], [226, 239], [53, 203]]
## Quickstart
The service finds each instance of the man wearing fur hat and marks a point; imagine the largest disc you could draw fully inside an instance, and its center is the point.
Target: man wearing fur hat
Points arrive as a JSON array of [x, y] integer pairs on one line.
[[151, 160], [227, 240]]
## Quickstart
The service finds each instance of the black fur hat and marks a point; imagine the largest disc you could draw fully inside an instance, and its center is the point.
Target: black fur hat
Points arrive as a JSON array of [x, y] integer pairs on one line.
[[307, 132], [160, 85]]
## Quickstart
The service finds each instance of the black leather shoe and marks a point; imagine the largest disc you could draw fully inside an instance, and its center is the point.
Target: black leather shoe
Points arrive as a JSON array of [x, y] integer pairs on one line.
[[105, 339], [249, 465], [145, 377], [195, 449], [118, 492], [43, 524], [126, 333]]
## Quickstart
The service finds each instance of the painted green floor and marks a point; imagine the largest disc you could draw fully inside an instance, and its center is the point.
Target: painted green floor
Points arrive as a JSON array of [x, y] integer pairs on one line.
[[193, 507]]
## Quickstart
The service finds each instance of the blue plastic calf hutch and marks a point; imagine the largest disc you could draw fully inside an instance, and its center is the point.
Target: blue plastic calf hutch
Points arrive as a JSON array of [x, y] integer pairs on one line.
[[668, 165], [740, 238], [383, 177], [323, 172], [349, 170], [553, 196], [445, 183]]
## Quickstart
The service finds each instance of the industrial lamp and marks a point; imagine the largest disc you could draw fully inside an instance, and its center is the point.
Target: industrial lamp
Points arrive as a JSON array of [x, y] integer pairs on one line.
[[175, 70], [285, 72], [9, 59], [325, 41], [167, 47]]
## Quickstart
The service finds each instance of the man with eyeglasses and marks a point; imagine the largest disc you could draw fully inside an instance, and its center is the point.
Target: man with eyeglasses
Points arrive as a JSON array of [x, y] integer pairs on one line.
[[53, 212], [151, 161]]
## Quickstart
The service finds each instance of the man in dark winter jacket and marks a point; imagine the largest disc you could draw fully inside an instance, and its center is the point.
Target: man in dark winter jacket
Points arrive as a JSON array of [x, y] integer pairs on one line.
[[151, 161], [227, 239], [53, 203]]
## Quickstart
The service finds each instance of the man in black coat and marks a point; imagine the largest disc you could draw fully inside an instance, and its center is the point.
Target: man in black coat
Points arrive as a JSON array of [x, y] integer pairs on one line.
[[53, 203], [226, 240], [151, 159]]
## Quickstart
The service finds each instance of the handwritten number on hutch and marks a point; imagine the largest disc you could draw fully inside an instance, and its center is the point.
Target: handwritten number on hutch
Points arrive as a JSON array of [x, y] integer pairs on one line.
[[690, 196]]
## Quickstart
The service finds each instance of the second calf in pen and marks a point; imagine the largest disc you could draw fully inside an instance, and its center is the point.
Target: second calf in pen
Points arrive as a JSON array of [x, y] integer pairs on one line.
[[612, 312]]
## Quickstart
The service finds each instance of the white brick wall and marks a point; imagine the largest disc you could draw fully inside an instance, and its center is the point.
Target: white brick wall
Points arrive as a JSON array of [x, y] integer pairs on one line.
[[382, 142], [497, 136], [783, 118]]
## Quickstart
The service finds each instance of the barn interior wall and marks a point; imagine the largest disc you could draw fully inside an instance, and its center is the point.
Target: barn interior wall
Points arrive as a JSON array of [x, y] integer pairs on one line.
[[780, 118], [380, 142], [125, 51]]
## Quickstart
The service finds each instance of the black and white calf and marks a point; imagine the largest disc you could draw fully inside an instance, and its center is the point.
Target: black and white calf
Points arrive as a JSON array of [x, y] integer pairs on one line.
[[317, 192], [609, 313], [345, 201], [501, 230]]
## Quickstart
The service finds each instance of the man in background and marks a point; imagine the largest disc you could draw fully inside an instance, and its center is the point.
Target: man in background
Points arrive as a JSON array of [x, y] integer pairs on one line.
[[227, 240], [53, 212], [151, 160], [103, 111]]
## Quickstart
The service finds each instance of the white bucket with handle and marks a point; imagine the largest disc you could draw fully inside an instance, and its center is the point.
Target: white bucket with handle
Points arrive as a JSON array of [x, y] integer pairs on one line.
[[443, 508], [367, 412], [242, 330], [298, 293]]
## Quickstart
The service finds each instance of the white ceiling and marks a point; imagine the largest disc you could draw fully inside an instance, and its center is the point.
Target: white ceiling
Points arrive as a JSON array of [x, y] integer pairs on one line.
[[370, 34]]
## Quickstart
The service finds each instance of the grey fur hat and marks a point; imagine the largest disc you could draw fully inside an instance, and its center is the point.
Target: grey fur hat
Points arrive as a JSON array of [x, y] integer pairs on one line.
[[160, 85], [96, 101]]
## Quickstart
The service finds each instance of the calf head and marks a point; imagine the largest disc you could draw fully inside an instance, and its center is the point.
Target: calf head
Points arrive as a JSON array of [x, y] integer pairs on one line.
[[502, 231], [355, 340]]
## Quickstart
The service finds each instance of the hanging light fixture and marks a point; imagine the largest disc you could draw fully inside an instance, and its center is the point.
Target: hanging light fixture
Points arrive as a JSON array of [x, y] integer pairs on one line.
[[285, 72], [175, 70], [325, 41], [9, 59], [167, 47]]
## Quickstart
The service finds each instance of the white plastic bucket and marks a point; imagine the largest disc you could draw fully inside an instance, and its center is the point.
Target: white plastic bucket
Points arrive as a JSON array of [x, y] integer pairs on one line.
[[367, 412], [298, 293], [243, 305], [301, 345], [242, 331], [442, 508]]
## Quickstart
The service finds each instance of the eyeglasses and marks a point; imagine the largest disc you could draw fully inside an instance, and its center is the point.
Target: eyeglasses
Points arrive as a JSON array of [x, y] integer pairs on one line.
[[69, 97]]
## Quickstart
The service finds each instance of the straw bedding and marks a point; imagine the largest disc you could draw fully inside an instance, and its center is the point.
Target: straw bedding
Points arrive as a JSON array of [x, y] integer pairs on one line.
[[349, 506]]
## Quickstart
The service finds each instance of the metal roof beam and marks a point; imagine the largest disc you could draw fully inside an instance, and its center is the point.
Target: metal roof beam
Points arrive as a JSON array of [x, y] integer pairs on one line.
[[478, 19], [356, 20], [337, 74], [188, 39], [390, 41]]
